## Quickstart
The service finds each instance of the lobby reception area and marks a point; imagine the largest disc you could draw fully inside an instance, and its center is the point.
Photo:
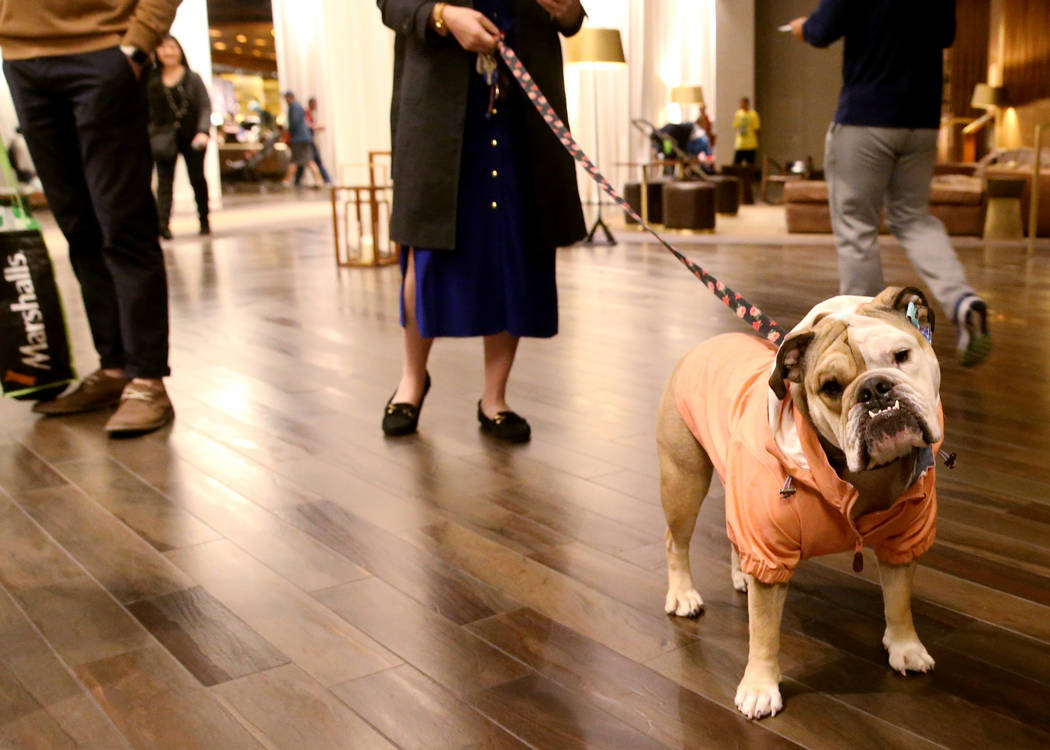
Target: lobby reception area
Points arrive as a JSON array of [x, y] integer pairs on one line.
[[271, 571]]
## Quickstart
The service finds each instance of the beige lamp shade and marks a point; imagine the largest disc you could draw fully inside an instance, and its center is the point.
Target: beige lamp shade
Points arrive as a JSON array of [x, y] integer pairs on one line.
[[594, 46], [986, 96], [687, 95]]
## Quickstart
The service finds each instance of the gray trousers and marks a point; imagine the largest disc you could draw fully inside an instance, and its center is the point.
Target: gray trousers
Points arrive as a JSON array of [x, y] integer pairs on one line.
[[870, 167]]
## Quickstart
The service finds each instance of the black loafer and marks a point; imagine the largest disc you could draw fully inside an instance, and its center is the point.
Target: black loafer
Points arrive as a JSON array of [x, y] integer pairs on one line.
[[506, 426], [403, 418]]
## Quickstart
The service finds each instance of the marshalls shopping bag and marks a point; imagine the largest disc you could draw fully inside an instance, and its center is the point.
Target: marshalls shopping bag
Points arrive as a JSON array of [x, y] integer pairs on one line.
[[34, 349]]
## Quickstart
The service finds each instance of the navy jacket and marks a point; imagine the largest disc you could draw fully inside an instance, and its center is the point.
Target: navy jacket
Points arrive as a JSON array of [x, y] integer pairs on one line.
[[892, 67]]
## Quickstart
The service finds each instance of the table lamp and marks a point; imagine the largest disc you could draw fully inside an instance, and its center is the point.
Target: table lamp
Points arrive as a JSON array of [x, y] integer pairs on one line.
[[988, 97], [596, 48]]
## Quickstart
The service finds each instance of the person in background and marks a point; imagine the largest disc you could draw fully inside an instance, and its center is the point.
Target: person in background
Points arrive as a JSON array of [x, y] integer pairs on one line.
[[314, 125], [301, 141], [704, 121], [179, 105], [746, 124], [881, 149], [699, 144], [74, 70], [484, 192]]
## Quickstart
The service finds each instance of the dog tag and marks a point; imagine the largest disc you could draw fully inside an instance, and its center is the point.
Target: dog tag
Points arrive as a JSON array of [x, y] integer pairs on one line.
[[858, 562]]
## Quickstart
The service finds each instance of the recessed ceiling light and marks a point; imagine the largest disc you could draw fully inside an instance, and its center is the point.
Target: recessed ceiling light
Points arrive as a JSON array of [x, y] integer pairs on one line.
[[219, 45], [242, 38]]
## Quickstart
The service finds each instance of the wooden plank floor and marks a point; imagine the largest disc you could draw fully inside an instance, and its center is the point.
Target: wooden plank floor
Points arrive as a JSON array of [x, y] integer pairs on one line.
[[270, 572]]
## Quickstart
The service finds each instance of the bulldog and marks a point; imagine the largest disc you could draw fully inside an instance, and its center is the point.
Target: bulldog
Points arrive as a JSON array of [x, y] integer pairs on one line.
[[824, 445]]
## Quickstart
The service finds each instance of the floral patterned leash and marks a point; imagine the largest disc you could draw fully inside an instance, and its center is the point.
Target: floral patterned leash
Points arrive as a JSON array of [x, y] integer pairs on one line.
[[759, 321]]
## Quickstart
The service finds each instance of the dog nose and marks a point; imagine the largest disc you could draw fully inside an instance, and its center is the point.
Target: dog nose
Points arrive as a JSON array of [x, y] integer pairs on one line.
[[873, 388]]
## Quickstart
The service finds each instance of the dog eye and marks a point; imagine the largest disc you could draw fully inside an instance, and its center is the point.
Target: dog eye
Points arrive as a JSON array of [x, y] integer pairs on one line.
[[831, 388], [902, 356]]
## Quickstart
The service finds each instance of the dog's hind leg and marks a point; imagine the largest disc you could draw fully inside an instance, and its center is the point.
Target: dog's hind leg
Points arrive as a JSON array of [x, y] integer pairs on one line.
[[738, 576], [685, 475]]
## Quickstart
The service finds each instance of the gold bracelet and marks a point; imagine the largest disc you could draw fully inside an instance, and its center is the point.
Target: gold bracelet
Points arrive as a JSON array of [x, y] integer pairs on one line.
[[438, 17]]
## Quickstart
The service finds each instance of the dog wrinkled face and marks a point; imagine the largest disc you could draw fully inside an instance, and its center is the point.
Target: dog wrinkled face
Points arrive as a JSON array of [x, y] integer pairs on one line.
[[867, 378]]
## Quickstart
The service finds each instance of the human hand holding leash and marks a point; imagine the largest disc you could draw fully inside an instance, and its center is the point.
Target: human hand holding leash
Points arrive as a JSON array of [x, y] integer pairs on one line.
[[473, 31]]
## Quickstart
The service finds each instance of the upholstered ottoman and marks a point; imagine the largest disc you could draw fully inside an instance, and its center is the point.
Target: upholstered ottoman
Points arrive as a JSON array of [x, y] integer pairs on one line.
[[957, 200], [689, 205], [727, 193], [632, 192]]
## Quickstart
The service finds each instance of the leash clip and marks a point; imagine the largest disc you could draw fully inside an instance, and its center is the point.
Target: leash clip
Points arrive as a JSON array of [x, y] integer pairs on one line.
[[913, 317], [787, 490]]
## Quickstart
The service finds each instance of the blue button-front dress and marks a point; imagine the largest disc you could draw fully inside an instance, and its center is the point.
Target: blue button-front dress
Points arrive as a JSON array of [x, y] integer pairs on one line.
[[496, 279]]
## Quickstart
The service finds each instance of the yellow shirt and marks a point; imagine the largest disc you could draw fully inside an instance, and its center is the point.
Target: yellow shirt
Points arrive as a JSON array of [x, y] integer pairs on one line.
[[746, 125]]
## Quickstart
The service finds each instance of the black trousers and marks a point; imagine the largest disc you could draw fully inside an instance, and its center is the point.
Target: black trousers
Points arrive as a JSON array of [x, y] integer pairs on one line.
[[745, 156], [194, 159], [84, 119]]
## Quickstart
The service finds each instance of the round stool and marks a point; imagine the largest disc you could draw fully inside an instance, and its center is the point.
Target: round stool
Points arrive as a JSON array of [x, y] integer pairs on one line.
[[689, 205], [1002, 219]]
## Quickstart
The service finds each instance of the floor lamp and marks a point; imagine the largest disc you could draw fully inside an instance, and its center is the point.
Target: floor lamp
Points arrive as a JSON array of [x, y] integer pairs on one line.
[[596, 48]]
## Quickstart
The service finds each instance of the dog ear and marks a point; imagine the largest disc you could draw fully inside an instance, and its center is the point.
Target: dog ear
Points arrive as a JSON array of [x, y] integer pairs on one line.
[[789, 361], [900, 298]]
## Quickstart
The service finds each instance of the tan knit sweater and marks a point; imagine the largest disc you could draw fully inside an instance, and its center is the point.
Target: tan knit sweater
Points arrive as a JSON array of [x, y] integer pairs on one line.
[[41, 28]]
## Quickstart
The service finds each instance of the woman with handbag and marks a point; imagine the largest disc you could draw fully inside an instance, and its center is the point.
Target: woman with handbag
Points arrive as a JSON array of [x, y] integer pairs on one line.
[[180, 123], [481, 204]]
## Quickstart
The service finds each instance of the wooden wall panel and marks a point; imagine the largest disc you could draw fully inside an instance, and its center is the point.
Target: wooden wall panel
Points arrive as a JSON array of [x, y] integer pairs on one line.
[[1026, 53], [968, 58]]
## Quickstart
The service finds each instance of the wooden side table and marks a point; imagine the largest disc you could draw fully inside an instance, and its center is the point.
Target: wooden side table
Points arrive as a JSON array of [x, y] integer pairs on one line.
[[1002, 219]]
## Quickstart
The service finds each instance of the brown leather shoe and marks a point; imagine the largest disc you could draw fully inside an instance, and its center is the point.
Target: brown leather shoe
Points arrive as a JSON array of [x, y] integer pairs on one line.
[[144, 407], [97, 391]]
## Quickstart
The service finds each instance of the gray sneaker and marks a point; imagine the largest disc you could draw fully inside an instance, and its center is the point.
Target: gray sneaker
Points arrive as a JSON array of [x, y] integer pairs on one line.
[[144, 407], [97, 391], [971, 317]]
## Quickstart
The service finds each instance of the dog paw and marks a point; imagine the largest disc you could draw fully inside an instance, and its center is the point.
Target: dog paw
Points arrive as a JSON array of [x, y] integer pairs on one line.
[[739, 580], [757, 697], [683, 603], [908, 655]]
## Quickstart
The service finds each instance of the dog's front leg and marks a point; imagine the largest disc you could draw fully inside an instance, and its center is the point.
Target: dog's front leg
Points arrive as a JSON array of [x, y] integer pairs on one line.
[[758, 694], [900, 638]]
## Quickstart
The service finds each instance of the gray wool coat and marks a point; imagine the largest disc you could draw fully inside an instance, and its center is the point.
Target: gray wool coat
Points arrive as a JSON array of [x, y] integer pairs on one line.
[[427, 116]]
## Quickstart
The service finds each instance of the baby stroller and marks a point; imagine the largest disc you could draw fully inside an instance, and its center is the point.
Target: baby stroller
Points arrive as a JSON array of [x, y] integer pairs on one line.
[[669, 143]]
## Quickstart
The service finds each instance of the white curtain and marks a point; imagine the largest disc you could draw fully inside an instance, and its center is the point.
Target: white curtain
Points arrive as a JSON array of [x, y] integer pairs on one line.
[[341, 53], [667, 43]]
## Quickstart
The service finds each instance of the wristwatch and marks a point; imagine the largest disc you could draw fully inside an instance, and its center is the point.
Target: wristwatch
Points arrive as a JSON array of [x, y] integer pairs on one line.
[[136, 55], [439, 19]]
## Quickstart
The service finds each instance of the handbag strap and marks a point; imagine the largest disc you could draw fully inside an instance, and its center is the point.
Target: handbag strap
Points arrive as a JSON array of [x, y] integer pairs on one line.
[[10, 179]]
